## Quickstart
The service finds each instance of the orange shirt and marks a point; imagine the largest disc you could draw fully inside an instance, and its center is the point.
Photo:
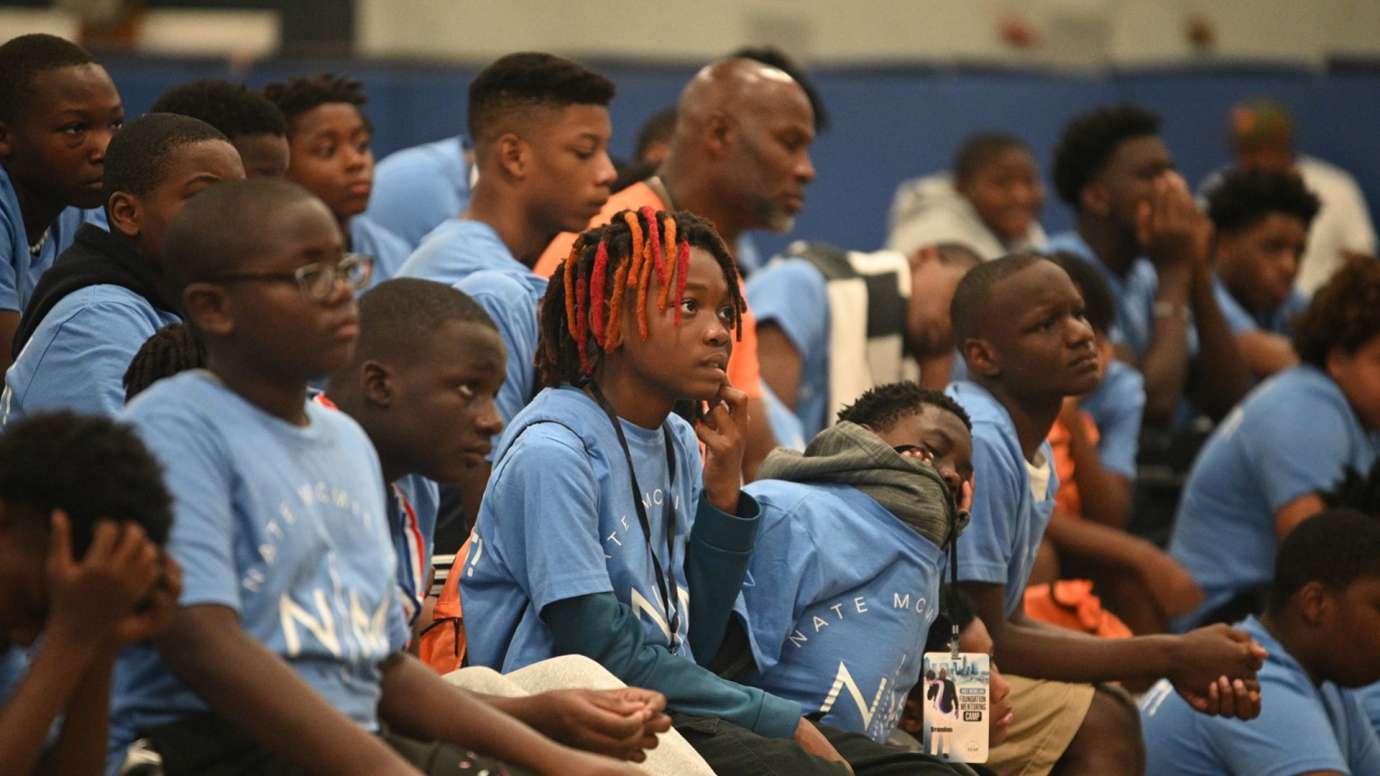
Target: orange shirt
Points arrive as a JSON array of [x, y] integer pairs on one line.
[[743, 370], [1068, 498]]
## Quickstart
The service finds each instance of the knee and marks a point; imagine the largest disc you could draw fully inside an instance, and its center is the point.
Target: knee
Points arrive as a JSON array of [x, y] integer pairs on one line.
[[1109, 740]]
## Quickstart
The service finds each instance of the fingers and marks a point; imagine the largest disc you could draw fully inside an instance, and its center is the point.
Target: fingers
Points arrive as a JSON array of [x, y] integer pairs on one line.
[[60, 541], [1225, 696]]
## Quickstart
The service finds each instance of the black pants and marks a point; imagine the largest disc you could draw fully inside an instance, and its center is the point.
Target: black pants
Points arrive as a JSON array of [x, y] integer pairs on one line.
[[734, 751], [208, 745]]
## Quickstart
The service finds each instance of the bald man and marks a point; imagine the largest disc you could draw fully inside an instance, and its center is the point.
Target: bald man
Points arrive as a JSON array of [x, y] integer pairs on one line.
[[739, 157]]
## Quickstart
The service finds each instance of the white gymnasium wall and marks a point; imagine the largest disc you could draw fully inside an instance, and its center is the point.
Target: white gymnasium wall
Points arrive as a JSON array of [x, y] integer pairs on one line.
[[1070, 33]]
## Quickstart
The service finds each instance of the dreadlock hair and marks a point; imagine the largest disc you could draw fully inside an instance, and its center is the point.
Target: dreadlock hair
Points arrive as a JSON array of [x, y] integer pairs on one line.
[[1089, 141], [1357, 491], [1344, 313], [234, 109], [879, 408], [582, 312], [299, 95], [91, 467], [980, 149], [1244, 197], [26, 56], [1098, 305], [775, 57], [172, 349], [1335, 547]]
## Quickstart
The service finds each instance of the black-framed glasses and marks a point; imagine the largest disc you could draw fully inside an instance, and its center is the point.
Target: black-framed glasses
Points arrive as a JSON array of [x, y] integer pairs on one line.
[[317, 280]]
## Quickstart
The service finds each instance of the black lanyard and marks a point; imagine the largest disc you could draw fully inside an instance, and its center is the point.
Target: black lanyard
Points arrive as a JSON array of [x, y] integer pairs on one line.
[[952, 598], [670, 592]]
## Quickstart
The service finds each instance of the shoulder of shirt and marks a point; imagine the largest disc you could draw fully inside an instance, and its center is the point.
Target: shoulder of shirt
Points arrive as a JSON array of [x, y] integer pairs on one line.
[[191, 395], [378, 232], [785, 266], [501, 282], [1324, 171], [105, 296], [781, 501]]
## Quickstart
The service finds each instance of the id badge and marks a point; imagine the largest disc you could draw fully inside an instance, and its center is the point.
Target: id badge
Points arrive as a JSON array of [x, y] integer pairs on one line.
[[957, 705]]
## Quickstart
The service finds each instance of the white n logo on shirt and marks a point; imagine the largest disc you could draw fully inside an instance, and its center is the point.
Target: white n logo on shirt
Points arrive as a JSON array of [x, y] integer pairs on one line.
[[370, 630], [844, 680], [323, 628]]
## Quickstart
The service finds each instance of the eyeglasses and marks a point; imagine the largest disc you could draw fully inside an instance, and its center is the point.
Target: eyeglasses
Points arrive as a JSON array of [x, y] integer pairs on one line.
[[317, 280]]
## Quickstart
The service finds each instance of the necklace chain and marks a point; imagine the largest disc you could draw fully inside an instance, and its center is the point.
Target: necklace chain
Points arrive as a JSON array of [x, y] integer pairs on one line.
[[37, 247]]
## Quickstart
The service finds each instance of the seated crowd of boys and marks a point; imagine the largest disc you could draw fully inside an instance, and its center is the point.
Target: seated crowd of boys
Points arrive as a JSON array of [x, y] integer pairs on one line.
[[254, 385]]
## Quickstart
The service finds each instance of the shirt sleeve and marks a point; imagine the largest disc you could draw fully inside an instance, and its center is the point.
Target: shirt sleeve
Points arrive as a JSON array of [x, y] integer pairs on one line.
[[716, 561], [512, 311], [82, 366], [985, 548], [1291, 736], [11, 234], [199, 476], [601, 628], [544, 491], [1363, 738], [1119, 420], [1292, 454], [793, 295], [1238, 320]]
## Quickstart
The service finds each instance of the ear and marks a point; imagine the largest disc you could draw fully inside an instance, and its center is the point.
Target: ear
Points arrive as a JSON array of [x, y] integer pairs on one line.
[[1315, 603], [1095, 199], [209, 308], [981, 357], [719, 134], [376, 384], [126, 213], [512, 155]]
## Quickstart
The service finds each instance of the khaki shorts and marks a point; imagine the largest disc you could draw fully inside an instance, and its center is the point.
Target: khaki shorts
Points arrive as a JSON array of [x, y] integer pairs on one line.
[[1047, 716]]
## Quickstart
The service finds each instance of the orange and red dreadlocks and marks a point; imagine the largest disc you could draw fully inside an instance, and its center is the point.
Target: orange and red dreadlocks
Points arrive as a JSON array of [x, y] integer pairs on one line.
[[585, 299]]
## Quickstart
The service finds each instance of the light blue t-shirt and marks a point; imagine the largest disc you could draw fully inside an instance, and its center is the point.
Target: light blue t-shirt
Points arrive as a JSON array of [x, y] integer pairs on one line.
[[1302, 727], [792, 294], [372, 239], [558, 522], [1117, 406], [1291, 436], [1239, 319], [1006, 521], [413, 502], [1133, 292], [78, 355], [1370, 700], [418, 188], [287, 526], [833, 570], [19, 270], [470, 256]]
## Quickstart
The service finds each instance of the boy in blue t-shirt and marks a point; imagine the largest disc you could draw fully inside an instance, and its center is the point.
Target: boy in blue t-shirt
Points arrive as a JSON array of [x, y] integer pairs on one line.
[[331, 155], [851, 552], [1264, 469], [1021, 328], [541, 130], [249, 121], [1322, 630], [601, 533], [74, 575], [109, 292], [58, 112], [289, 622], [1136, 222], [1261, 221]]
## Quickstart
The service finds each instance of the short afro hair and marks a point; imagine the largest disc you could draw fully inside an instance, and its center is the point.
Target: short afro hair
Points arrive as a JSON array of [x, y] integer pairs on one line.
[[26, 56], [969, 305], [138, 153], [1098, 305], [90, 467], [234, 109], [1243, 198], [173, 349], [296, 96], [1336, 547], [658, 128], [1090, 140], [775, 57], [1344, 313], [879, 408], [398, 314], [980, 149], [530, 79], [1357, 491]]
